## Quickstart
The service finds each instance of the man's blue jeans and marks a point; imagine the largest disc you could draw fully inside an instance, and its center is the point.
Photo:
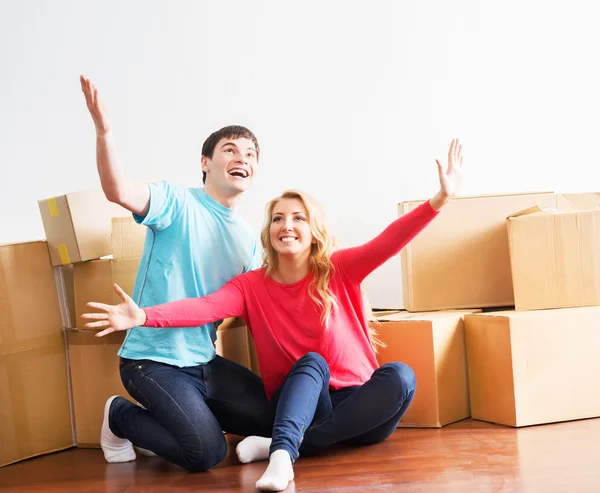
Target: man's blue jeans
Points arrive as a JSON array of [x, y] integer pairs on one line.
[[187, 409]]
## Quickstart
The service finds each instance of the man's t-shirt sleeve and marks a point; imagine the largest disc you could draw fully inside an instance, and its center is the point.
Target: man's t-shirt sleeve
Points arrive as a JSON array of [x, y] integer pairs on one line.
[[166, 203]]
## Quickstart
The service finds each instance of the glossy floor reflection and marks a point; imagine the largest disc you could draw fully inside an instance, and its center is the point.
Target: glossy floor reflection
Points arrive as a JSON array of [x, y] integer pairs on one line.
[[468, 456]]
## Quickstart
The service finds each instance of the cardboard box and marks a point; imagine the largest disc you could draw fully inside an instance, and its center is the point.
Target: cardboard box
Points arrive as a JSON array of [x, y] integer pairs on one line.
[[461, 260], [128, 238], [233, 342], [534, 367], [34, 395], [93, 281], [78, 225], [555, 254], [94, 365], [433, 345]]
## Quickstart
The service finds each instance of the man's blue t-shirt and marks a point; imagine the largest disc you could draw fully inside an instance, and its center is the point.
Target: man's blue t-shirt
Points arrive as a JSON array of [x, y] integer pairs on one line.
[[194, 245]]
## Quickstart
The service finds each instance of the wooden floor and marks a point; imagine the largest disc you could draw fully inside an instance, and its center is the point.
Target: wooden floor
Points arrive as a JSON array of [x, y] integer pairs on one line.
[[468, 456]]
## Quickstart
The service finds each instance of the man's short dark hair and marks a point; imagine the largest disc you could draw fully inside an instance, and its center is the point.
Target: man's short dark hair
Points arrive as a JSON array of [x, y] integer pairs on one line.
[[229, 132]]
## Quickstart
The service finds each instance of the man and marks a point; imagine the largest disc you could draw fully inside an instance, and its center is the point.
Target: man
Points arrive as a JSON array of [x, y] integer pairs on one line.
[[194, 244]]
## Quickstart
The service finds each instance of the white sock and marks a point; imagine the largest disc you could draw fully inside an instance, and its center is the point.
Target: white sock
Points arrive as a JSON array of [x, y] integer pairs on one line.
[[253, 448], [115, 449], [279, 473]]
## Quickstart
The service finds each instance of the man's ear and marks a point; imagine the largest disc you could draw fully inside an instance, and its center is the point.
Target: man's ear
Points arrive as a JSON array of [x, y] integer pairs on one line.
[[204, 163]]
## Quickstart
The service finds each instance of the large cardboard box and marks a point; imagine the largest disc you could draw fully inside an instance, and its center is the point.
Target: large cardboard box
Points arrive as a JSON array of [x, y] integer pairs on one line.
[[94, 367], [128, 238], [534, 367], [78, 225], [34, 395], [433, 345], [93, 281], [461, 260], [555, 254]]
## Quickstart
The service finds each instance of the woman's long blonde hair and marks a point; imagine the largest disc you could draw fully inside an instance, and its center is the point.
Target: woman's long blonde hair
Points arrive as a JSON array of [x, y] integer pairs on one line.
[[319, 257]]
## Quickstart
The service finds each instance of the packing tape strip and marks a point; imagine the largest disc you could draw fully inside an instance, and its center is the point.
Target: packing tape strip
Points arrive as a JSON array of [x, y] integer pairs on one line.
[[64, 253], [52, 207]]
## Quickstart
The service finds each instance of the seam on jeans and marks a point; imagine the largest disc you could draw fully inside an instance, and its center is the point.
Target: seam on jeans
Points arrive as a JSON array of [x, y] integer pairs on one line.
[[182, 412], [305, 426]]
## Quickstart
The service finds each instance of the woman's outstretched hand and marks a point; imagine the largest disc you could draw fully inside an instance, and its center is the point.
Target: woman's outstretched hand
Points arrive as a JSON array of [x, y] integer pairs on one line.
[[124, 316], [450, 178]]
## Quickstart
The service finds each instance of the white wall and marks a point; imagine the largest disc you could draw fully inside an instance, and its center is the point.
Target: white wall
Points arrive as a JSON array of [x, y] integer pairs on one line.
[[351, 101]]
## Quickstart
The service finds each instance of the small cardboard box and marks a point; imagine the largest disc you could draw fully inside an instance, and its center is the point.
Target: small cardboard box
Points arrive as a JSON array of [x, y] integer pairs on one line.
[[534, 367], [461, 260], [433, 345], [78, 225], [555, 254]]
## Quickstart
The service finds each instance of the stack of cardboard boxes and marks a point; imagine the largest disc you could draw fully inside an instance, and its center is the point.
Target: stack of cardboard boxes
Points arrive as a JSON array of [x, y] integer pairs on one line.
[[491, 328], [57, 375], [500, 320], [538, 363]]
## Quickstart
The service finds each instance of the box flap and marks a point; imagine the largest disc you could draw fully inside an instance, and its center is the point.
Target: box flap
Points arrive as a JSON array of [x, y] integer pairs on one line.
[[530, 210]]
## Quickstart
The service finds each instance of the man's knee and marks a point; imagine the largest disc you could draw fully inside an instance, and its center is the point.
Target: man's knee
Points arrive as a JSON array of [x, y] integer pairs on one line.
[[201, 457]]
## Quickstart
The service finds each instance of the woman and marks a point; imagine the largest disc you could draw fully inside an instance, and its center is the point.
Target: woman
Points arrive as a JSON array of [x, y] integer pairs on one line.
[[305, 311]]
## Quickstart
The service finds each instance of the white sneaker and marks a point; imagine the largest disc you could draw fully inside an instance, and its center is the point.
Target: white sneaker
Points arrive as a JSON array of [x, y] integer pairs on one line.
[[115, 449]]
